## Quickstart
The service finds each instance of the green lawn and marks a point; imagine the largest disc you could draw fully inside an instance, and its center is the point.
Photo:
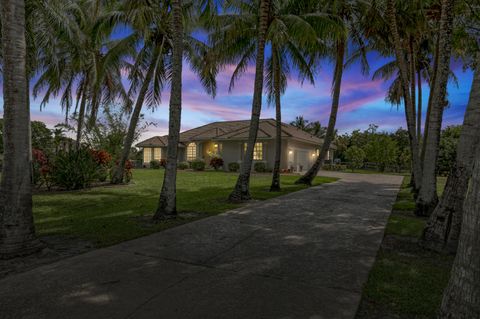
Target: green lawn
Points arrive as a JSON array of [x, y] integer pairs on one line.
[[406, 281], [111, 214]]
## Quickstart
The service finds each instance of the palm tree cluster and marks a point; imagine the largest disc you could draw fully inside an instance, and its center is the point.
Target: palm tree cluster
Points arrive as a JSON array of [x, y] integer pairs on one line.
[[68, 49]]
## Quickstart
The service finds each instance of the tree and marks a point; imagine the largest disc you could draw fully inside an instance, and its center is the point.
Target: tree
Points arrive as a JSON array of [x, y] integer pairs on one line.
[[443, 227], [301, 123], [346, 12], [241, 190], [447, 152], [152, 64], [461, 298], [41, 136], [391, 15], [167, 204], [381, 149], [427, 197], [356, 156], [17, 231]]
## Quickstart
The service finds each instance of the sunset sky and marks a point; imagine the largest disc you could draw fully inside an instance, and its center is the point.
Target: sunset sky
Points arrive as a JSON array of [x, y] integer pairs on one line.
[[362, 100]]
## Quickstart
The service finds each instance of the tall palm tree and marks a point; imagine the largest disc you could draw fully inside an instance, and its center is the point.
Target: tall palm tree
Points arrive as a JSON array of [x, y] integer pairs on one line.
[[244, 24], [443, 228], [17, 231], [167, 204], [347, 12], [461, 298], [240, 38], [87, 57], [427, 197], [152, 64], [404, 75]]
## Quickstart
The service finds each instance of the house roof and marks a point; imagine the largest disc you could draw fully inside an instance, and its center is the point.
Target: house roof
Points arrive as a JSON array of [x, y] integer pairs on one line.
[[234, 130]]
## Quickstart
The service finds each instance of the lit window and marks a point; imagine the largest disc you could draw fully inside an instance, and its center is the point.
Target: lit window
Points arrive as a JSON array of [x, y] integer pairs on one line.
[[157, 153], [191, 152], [147, 155], [317, 152], [257, 151], [217, 148]]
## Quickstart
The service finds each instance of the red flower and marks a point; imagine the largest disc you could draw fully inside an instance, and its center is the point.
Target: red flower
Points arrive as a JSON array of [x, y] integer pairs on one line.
[[39, 157], [101, 157], [129, 165]]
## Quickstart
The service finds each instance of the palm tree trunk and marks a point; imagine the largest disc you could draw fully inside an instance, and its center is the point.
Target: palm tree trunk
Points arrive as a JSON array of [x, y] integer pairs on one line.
[[17, 230], [167, 204], [419, 106], [427, 197], [338, 74], [118, 175], [461, 298], [413, 89], [241, 191], [444, 225], [275, 187], [81, 112], [409, 111]]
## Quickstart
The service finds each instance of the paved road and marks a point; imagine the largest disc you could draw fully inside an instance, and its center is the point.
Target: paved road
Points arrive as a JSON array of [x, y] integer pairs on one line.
[[303, 255]]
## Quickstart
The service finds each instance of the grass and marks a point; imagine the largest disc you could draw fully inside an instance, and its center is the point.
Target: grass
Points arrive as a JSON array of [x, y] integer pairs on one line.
[[406, 281], [112, 214]]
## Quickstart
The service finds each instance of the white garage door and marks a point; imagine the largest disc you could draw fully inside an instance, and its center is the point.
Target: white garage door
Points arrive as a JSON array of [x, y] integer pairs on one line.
[[301, 160]]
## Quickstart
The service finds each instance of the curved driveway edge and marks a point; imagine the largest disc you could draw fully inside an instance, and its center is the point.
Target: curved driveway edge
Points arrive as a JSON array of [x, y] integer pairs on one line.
[[303, 255]]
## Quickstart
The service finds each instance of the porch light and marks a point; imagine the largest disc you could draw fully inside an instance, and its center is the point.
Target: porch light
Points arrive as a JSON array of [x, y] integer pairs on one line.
[[290, 152]]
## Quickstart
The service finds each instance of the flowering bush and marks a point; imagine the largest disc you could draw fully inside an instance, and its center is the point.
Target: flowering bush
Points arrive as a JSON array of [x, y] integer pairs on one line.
[[216, 162], [42, 169], [128, 170], [101, 157]]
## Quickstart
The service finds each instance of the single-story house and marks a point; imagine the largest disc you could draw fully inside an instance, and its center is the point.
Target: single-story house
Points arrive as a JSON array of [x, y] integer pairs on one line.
[[228, 140]]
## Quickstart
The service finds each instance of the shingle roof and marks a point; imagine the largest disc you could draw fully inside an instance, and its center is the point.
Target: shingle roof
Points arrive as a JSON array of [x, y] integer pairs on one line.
[[234, 130]]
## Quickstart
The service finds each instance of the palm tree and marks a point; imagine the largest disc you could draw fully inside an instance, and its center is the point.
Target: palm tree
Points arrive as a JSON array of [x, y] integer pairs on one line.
[[347, 12], [243, 28], [404, 76], [461, 298], [167, 205], [17, 231], [85, 55], [242, 32], [152, 64], [427, 197]]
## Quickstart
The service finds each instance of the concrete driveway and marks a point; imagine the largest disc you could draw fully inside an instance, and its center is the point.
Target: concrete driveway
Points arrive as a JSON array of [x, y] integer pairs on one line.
[[303, 255]]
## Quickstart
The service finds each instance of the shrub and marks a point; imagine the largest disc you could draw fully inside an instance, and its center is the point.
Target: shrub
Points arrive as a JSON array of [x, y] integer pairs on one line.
[[129, 165], [101, 157], [42, 169], [75, 169], [216, 162], [260, 167], [183, 165], [163, 163], [233, 167], [356, 156], [198, 165], [155, 164]]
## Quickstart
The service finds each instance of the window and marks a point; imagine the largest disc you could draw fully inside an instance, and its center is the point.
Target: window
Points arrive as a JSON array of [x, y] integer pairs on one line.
[[191, 152], [257, 151], [147, 155], [157, 153]]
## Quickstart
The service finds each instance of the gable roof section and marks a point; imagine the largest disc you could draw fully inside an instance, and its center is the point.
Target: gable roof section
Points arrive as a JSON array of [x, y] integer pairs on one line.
[[234, 130], [156, 141]]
